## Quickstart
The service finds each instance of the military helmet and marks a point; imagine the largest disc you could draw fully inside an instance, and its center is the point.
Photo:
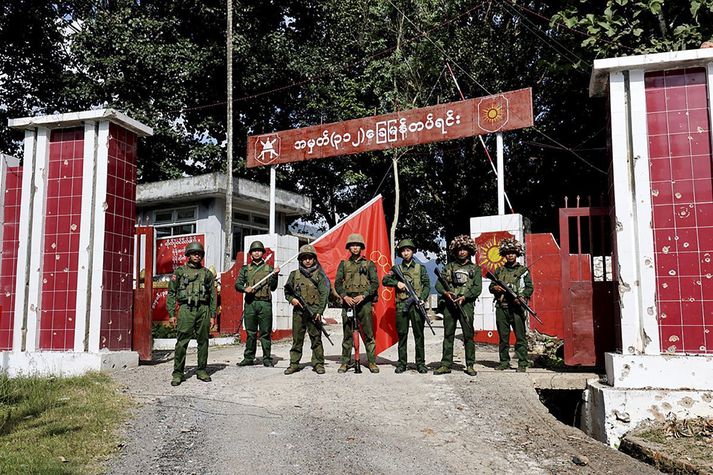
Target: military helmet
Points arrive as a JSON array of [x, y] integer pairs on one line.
[[257, 246], [194, 247], [307, 250], [406, 243], [510, 246], [355, 239], [462, 241]]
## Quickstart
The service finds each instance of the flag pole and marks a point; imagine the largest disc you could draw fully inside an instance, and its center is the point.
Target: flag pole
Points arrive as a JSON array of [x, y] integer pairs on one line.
[[337, 226]]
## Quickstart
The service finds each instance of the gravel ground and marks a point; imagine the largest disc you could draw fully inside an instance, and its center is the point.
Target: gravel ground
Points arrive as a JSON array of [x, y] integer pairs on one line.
[[254, 419]]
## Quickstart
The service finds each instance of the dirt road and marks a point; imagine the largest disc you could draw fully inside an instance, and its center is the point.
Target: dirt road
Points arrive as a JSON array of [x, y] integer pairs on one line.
[[255, 419]]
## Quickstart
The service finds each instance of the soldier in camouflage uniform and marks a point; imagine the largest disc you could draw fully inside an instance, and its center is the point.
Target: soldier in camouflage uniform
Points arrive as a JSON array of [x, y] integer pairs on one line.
[[465, 281], [406, 311], [313, 285], [509, 312], [192, 286], [258, 304], [357, 284]]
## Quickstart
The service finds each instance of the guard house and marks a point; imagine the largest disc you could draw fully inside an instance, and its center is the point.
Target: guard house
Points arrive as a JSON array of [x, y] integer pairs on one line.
[[195, 207], [662, 215]]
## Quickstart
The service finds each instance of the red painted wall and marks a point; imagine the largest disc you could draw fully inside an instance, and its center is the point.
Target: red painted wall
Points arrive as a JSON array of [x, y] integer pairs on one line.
[[8, 261], [682, 198], [117, 294]]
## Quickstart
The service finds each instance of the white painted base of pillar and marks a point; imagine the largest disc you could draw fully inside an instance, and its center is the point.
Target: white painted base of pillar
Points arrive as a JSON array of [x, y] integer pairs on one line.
[[164, 344], [65, 363], [609, 413], [659, 371]]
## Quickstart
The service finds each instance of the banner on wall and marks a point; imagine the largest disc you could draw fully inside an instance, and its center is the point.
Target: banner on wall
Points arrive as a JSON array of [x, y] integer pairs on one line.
[[170, 252]]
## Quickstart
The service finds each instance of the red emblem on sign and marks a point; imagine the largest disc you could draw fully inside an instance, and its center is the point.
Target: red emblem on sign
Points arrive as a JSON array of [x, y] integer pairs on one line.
[[267, 148], [493, 113], [488, 255]]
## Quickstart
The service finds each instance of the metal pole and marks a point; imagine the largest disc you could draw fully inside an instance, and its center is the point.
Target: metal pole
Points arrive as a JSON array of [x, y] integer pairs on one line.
[[273, 186], [501, 173], [228, 257]]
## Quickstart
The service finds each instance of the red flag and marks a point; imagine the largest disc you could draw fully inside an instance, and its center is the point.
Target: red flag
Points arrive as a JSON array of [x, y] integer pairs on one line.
[[370, 222]]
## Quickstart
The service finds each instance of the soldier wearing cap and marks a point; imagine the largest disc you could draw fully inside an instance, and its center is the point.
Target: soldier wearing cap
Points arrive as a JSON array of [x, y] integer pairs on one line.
[[257, 280], [465, 281], [192, 286], [418, 277], [508, 311], [313, 285], [357, 285]]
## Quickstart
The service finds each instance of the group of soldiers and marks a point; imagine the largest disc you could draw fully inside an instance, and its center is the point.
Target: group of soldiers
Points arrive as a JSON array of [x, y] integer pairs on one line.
[[356, 286]]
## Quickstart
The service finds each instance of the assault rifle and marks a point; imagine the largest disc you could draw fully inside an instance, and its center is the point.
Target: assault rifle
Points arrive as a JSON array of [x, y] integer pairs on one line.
[[459, 308], [413, 298], [512, 295], [308, 311], [351, 314]]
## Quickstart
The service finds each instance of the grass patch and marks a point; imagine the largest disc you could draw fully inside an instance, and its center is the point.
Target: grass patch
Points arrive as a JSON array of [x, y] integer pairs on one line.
[[59, 425]]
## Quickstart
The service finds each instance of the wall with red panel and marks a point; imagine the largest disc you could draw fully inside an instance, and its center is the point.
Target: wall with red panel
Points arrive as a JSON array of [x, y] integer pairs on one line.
[[120, 215], [8, 261], [682, 198]]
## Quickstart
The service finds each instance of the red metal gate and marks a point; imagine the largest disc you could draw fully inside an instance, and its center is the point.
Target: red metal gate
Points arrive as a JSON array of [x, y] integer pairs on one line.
[[141, 339], [588, 293]]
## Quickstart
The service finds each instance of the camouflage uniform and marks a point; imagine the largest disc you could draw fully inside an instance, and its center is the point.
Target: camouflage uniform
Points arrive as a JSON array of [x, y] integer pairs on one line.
[[258, 307], [464, 279], [314, 289], [192, 286], [507, 312], [418, 276], [357, 276]]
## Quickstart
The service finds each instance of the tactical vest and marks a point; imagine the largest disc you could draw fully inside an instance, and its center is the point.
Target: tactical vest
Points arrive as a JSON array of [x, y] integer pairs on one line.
[[308, 287], [459, 275], [413, 275], [512, 277], [356, 276], [192, 286], [256, 274]]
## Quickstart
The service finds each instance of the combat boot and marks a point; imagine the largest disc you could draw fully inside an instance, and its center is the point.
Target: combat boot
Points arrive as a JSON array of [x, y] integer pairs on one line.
[[470, 371], [442, 370], [203, 376], [319, 369], [503, 366], [522, 369], [422, 369], [267, 363], [400, 369], [246, 362], [343, 368], [293, 368], [177, 379], [373, 368]]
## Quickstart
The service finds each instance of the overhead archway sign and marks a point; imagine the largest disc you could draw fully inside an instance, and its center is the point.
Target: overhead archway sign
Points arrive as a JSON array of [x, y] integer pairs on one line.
[[483, 115]]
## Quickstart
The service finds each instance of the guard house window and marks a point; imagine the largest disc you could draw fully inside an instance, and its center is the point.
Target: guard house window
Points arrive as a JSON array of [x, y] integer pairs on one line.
[[247, 224], [175, 222]]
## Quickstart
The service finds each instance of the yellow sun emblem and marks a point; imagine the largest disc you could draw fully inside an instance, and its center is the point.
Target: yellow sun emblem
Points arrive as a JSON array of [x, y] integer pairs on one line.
[[490, 258], [493, 112]]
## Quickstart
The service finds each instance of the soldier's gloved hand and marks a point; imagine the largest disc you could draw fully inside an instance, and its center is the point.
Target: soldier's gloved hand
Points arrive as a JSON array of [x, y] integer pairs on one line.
[[349, 301], [295, 303]]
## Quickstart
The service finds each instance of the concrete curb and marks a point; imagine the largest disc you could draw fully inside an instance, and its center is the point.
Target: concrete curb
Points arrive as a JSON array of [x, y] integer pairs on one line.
[[654, 455], [170, 343]]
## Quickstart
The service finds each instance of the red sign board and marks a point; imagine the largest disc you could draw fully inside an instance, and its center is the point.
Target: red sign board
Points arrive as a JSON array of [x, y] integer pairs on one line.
[[170, 252], [482, 115]]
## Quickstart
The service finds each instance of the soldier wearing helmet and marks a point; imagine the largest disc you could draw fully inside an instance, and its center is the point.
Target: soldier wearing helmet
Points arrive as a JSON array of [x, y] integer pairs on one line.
[[465, 282], [257, 280], [313, 285], [357, 284], [508, 312], [192, 287], [416, 273]]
